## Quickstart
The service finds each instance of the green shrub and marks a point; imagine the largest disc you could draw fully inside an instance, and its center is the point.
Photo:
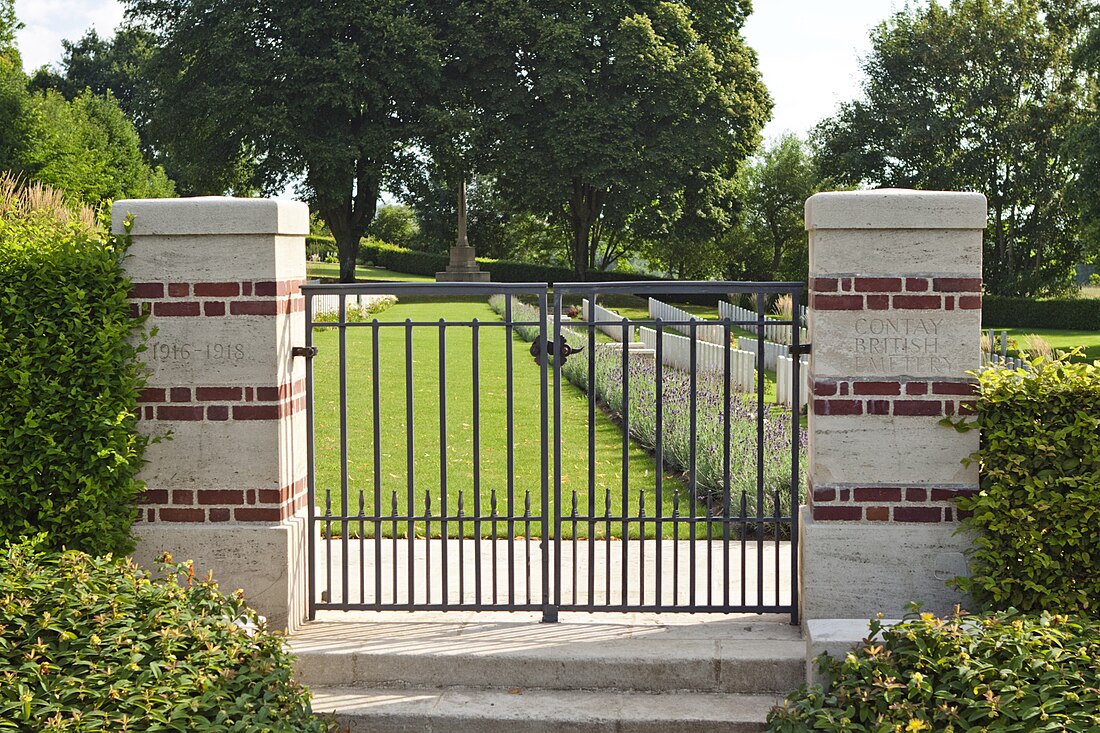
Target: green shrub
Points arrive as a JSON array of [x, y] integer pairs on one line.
[[69, 377], [95, 644], [998, 672], [411, 261], [1078, 314], [320, 248], [1036, 516]]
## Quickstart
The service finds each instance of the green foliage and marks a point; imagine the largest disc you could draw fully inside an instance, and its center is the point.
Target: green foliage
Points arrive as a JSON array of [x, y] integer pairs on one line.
[[319, 248], [395, 224], [1077, 314], [1001, 672], [975, 95], [69, 381], [95, 644], [402, 260], [1037, 546]]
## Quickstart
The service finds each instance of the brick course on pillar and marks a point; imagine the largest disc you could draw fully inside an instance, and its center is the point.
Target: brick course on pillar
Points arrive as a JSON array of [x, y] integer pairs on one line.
[[220, 281], [895, 322]]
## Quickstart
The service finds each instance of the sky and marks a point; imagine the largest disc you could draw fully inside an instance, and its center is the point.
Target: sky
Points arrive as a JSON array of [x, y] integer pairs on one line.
[[808, 50]]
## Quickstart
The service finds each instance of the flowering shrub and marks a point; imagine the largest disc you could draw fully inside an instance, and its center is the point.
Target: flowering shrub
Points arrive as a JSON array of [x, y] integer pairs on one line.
[[1002, 671]]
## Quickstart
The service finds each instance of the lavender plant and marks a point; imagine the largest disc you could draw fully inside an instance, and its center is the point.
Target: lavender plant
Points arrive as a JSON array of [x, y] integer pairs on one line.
[[676, 444]]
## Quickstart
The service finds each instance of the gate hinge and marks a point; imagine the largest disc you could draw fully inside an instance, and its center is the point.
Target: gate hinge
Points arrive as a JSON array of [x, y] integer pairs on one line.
[[307, 351], [800, 350]]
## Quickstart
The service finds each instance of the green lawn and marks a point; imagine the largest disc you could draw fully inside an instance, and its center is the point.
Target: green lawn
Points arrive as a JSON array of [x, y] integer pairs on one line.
[[1088, 340], [427, 453], [332, 270]]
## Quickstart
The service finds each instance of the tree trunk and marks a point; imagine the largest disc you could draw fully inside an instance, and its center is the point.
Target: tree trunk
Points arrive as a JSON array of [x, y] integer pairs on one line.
[[350, 218], [585, 208]]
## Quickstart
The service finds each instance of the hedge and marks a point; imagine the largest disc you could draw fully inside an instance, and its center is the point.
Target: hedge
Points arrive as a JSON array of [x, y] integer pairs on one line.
[[1078, 314], [1002, 671], [95, 644], [1036, 516], [69, 379]]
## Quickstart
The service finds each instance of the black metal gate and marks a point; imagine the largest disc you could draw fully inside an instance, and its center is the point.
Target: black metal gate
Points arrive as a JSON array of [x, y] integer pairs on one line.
[[552, 457]]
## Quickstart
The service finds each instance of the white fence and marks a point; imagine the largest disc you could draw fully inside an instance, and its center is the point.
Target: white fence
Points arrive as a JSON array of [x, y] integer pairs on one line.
[[676, 352], [606, 320], [784, 381], [710, 333], [773, 332]]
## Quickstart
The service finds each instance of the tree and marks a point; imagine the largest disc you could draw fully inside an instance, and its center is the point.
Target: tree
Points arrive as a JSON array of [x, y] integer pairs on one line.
[[976, 95], [769, 241], [395, 224], [325, 93], [620, 104], [1085, 139]]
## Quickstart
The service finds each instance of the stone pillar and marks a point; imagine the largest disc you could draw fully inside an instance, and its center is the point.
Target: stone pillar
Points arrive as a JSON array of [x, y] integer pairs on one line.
[[219, 279], [895, 322]]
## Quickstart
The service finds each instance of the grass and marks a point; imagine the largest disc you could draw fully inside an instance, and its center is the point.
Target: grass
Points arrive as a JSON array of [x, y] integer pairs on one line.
[[393, 475], [1088, 340], [332, 270]]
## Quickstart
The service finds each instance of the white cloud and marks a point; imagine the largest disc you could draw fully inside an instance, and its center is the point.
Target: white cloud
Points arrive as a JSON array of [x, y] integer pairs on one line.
[[47, 22]]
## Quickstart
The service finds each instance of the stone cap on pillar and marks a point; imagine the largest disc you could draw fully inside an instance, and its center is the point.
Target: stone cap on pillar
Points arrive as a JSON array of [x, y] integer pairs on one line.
[[895, 208], [204, 215]]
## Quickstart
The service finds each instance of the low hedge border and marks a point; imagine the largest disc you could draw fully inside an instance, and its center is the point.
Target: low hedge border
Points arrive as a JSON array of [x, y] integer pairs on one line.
[[1075, 314]]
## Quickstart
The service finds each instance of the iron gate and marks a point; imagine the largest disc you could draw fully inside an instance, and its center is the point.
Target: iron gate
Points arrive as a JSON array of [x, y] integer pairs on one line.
[[544, 459]]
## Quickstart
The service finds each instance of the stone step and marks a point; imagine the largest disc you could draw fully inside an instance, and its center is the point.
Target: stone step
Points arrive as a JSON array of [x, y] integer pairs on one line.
[[518, 710], [735, 654]]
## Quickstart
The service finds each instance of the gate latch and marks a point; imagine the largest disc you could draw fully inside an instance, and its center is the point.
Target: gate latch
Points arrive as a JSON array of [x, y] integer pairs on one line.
[[563, 349], [800, 350], [307, 351]]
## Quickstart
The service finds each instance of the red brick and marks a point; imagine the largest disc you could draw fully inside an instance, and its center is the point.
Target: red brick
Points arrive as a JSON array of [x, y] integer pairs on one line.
[[265, 288], [824, 495], [877, 494], [824, 284], [141, 291], [217, 290], [214, 308], [951, 494], [916, 284], [878, 302], [152, 515], [250, 496], [217, 413], [917, 302], [961, 514], [968, 407], [845, 494], [957, 388], [837, 302], [254, 308], [273, 496], [846, 284], [176, 412], [257, 514], [957, 284], [256, 412], [824, 388], [916, 388], [918, 408], [916, 494], [878, 284], [151, 394], [267, 394], [186, 497], [917, 514], [219, 514], [181, 394], [838, 407], [838, 513], [149, 413], [970, 302], [154, 496], [179, 290], [218, 394], [878, 514], [135, 311], [178, 514], [221, 496], [188, 308], [247, 394], [949, 302], [878, 407], [246, 288], [877, 388]]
